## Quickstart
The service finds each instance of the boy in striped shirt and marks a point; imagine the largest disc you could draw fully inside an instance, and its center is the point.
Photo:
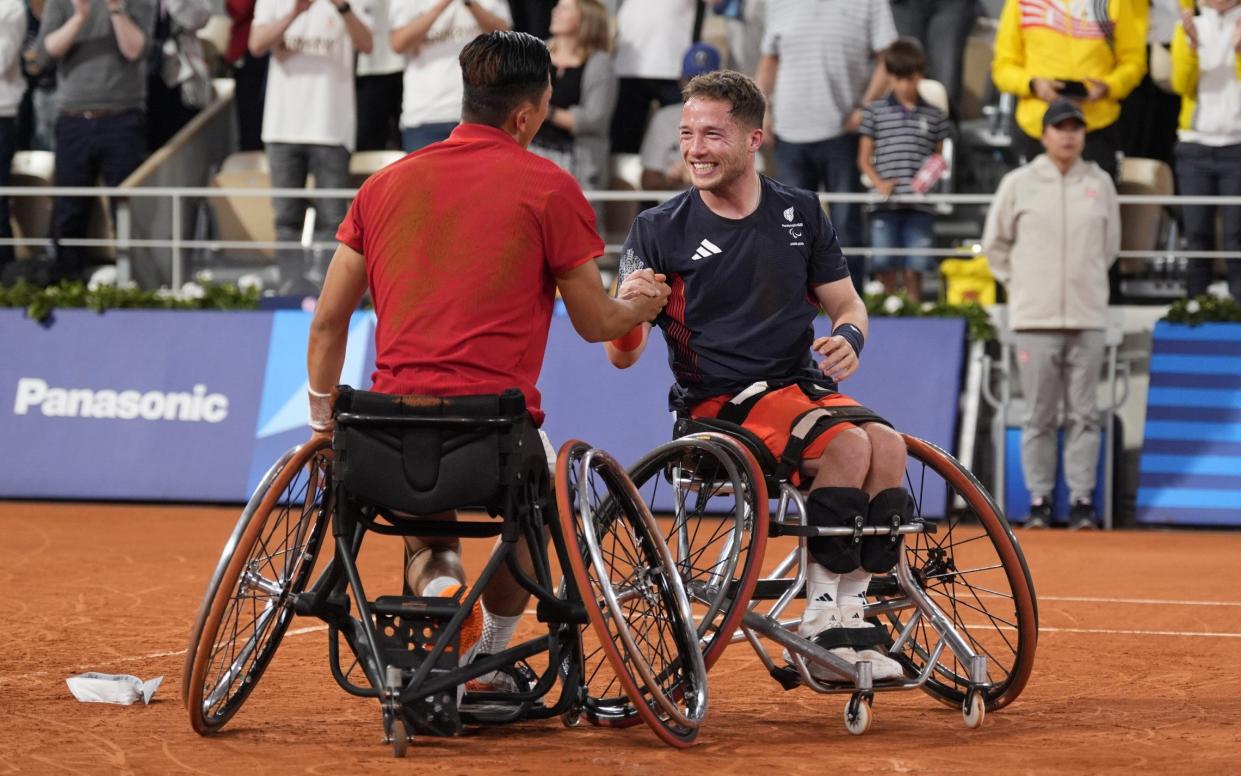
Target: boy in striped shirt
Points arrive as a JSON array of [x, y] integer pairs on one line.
[[898, 134]]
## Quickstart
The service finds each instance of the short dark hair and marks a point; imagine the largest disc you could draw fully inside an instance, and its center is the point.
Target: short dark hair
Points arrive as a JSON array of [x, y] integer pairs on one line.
[[739, 91], [904, 58], [501, 70]]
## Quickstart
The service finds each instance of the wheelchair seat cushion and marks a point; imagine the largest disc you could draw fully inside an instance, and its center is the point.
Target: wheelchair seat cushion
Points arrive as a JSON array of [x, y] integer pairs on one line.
[[792, 421], [386, 458]]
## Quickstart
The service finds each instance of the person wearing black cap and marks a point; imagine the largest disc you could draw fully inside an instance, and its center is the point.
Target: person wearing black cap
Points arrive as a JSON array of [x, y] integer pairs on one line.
[[1052, 233]]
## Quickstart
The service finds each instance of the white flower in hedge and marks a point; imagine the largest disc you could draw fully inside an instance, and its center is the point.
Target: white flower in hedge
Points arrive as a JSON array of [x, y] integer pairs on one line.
[[104, 276], [892, 305], [1192, 306], [250, 280], [192, 290], [164, 292], [205, 276], [928, 306], [873, 288]]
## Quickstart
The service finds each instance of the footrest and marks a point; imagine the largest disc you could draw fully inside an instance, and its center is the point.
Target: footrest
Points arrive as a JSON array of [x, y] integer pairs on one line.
[[415, 606]]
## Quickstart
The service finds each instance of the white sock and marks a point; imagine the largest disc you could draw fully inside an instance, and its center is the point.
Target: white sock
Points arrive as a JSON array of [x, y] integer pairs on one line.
[[821, 588], [852, 590], [438, 585], [497, 631]]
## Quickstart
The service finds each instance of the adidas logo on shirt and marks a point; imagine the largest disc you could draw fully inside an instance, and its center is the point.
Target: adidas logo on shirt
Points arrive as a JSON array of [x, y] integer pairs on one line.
[[706, 248]]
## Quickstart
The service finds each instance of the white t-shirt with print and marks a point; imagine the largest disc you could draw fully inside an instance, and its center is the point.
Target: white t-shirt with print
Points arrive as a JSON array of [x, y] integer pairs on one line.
[[12, 31], [310, 95], [382, 60], [652, 37], [433, 88]]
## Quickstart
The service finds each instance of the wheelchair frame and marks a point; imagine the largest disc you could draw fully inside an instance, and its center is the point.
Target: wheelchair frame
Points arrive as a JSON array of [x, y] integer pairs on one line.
[[419, 690]]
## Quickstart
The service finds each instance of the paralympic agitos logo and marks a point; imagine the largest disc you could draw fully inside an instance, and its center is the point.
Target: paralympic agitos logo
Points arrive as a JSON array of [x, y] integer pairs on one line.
[[193, 406]]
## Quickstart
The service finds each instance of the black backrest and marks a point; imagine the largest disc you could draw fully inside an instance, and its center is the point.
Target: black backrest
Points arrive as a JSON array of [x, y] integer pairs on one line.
[[424, 454]]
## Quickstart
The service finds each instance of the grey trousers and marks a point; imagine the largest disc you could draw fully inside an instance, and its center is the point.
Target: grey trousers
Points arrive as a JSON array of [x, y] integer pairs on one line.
[[1060, 366], [291, 164]]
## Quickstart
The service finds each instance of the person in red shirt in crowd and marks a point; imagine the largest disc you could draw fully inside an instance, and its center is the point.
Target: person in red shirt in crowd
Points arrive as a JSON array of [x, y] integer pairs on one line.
[[463, 245]]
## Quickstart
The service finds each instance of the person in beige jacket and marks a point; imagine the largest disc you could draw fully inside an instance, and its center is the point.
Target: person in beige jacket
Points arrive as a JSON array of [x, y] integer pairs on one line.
[[1052, 233]]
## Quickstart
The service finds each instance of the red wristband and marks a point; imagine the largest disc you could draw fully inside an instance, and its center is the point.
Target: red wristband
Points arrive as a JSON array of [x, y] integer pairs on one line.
[[631, 341]]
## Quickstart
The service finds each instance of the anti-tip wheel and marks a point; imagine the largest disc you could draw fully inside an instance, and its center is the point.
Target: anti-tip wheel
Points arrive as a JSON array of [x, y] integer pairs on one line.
[[400, 738], [974, 709], [571, 718], [858, 715]]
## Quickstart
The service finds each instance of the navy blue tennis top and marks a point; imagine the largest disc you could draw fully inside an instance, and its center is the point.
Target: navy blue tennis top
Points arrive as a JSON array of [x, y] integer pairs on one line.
[[742, 303]]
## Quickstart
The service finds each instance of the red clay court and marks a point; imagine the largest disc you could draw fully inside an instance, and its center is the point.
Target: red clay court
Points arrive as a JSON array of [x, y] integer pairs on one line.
[[1136, 671]]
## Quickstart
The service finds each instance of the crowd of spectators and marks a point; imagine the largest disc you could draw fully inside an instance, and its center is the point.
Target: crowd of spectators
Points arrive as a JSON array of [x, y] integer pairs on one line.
[[102, 82]]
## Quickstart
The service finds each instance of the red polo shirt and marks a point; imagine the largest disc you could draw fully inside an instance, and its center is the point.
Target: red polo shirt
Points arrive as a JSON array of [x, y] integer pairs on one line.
[[462, 241]]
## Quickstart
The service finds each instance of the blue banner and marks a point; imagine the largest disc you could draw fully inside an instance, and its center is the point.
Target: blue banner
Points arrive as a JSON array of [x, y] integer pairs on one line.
[[195, 406], [142, 405]]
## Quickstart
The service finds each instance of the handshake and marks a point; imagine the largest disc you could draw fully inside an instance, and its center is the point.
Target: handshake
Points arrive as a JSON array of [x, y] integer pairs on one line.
[[647, 290]]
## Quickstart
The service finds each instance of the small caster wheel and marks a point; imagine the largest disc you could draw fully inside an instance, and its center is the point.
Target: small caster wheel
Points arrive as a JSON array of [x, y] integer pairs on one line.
[[400, 738], [974, 709], [572, 718], [858, 714]]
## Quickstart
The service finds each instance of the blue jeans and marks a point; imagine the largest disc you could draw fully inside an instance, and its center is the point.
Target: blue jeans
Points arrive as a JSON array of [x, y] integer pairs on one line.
[[87, 149], [1203, 170], [423, 135], [831, 163], [902, 229]]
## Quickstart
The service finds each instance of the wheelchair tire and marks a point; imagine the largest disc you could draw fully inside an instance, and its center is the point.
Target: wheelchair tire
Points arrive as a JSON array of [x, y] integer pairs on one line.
[[265, 564], [717, 551], [973, 568], [632, 593]]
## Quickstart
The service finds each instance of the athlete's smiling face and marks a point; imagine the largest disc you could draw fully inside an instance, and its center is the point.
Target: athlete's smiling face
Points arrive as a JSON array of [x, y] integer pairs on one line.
[[717, 150]]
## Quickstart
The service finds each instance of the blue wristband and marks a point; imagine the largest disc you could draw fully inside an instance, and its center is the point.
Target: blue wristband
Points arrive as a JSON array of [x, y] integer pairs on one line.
[[851, 334]]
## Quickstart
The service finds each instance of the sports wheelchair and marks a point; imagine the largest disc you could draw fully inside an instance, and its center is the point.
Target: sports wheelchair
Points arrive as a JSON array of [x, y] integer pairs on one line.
[[395, 456], [958, 611]]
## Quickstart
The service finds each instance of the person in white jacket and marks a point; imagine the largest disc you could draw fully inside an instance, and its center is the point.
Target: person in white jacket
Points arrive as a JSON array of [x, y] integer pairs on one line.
[[12, 87], [1052, 233]]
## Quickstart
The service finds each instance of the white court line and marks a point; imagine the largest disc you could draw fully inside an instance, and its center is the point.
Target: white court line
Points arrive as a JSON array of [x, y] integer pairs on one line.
[[1156, 601], [135, 658], [1114, 632]]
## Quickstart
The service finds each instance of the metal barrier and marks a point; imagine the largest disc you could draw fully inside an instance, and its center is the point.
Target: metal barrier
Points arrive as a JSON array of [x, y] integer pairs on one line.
[[123, 242]]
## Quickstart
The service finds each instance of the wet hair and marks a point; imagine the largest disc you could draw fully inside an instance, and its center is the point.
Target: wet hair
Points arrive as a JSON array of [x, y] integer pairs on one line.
[[739, 91], [905, 58], [501, 70]]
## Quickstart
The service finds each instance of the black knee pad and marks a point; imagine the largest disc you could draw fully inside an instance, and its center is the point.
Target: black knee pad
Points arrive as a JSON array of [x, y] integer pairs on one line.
[[836, 508], [889, 508]]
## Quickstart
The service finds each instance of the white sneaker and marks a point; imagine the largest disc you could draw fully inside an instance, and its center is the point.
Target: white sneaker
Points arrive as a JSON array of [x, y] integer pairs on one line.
[[813, 623], [881, 666]]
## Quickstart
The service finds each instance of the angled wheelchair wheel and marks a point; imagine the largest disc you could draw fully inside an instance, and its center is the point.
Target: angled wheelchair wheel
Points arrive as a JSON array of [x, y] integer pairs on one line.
[[265, 564], [972, 567], [708, 493], [639, 615]]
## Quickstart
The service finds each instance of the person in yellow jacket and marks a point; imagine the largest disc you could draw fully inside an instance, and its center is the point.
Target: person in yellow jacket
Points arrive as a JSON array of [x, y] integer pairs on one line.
[[1206, 72], [1090, 51]]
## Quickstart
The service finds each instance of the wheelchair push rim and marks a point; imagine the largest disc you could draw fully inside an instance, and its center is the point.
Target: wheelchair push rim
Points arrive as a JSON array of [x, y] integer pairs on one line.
[[718, 547], [719, 564], [248, 605], [634, 599], [972, 567]]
